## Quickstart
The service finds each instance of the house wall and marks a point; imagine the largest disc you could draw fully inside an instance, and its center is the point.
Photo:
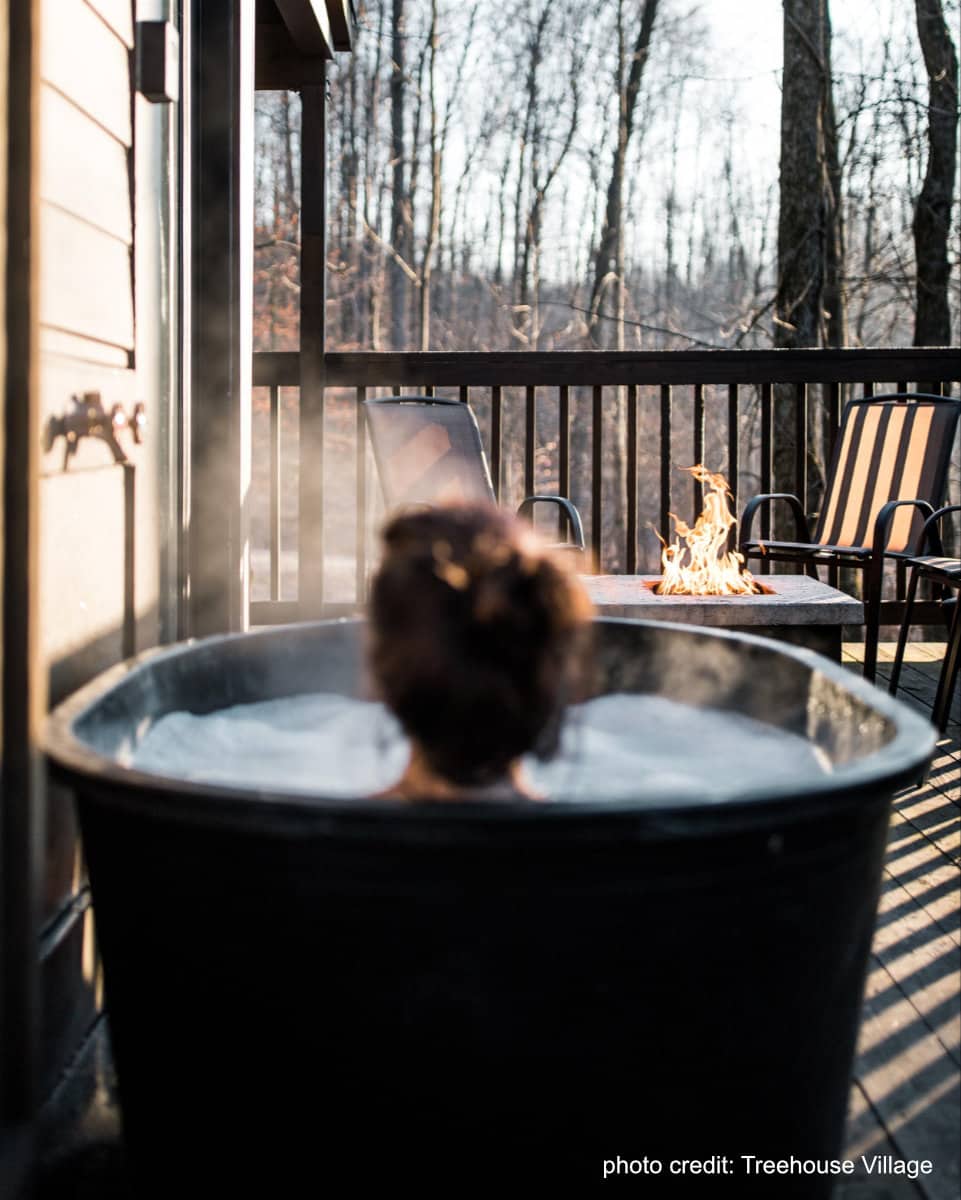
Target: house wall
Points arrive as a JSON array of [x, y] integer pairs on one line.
[[105, 316]]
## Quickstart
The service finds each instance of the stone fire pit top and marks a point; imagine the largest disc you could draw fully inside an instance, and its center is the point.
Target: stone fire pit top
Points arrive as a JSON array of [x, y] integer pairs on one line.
[[793, 600]]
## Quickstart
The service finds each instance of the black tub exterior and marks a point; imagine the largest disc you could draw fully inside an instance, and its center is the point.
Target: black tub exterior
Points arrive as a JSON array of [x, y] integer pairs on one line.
[[489, 999]]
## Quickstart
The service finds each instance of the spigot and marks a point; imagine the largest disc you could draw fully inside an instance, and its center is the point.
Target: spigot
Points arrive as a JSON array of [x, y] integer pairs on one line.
[[89, 418]]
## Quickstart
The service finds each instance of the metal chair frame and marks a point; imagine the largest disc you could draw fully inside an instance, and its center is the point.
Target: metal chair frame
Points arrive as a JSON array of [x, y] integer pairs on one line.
[[526, 509], [922, 567], [869, 558]]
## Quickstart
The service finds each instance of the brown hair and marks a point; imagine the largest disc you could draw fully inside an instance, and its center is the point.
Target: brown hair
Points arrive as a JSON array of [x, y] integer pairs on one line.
[[479, 637]]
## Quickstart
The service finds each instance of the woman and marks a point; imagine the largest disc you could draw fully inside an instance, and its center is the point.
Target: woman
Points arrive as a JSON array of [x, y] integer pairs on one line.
[[479, 639]]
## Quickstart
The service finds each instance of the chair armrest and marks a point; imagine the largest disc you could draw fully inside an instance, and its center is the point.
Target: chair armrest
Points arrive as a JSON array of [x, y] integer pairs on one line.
[[573, 516], [756, 502], [931, 532], [882, 523]]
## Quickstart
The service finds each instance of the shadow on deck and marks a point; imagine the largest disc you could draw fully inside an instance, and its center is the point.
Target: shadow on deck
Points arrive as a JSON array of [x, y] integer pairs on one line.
[[906, 1094]]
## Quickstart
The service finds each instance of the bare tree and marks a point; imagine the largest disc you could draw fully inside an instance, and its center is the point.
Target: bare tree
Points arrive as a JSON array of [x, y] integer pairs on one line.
[[800, 250], [932, 215], [608, 261], [399, 207]]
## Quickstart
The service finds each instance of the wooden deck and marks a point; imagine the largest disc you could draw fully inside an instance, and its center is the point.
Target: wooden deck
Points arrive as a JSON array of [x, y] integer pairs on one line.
[[906, 1094]]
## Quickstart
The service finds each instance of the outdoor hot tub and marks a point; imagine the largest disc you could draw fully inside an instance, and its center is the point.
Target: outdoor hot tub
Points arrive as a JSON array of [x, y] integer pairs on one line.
[[333, 998]]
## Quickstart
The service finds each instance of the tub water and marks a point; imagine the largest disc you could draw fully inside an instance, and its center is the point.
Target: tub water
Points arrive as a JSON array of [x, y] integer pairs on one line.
[[615, 747]]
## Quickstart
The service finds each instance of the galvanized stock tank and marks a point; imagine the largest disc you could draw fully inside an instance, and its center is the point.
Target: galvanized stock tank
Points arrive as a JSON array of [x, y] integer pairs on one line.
[[342, 998]]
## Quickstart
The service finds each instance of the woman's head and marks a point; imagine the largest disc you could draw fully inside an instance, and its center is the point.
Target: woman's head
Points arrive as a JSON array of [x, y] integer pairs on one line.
[[479, 637]]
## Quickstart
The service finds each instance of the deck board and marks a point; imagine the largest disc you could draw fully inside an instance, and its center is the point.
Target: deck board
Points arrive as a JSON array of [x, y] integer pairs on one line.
[[906, 1093]]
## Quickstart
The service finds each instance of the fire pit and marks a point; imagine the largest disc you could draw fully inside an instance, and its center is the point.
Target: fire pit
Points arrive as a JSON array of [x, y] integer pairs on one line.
[[704, 583], [791, 608], [484, 998]]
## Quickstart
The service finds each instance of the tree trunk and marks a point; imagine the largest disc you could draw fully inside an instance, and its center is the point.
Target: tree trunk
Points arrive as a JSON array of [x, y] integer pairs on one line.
[[834, 300], [398, 227], [606, 319], [932, 215], [798, 304], [606, 258], [435, 188]]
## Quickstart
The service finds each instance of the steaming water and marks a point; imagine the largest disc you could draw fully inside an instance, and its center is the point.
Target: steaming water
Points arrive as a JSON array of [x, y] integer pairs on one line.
[[613, 747]]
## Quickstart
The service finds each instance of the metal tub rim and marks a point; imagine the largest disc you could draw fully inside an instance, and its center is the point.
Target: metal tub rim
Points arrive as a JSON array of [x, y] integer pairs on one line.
[[899, 762]]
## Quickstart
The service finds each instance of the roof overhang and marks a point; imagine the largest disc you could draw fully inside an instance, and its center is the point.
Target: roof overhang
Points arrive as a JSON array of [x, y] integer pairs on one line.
[[296, 38]]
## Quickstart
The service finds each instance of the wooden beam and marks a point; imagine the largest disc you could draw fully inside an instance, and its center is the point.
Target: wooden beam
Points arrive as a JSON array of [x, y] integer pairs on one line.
[[343, 20], [313, 268], [280, 65], [579, 368], [222, 181], [648, 368], [309, 26]]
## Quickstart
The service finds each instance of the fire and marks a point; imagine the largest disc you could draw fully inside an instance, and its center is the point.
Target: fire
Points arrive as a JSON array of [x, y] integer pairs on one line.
[[704, 566]]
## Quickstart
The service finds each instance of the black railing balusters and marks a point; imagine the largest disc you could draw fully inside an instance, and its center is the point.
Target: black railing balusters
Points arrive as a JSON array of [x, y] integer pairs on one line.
[[902, 387], [563, 451], [733, 456], [801, 444], [767, 448], [597, 470], [275, 541], [837, 373], [665, 513], [496, 415], [698, 445], [835, 404], [834, 413], [631, 561], [361, 537], [530, 434]]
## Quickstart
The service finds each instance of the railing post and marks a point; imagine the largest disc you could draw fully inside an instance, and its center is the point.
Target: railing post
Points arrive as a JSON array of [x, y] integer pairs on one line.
[[530, 435], [361, 497], [665, 513], [221, 327], [698, 445], [733, 455], [496, 417], [563, 449], [767, 463], [597, 471], [632, 479], [310, 540], [275, 538]]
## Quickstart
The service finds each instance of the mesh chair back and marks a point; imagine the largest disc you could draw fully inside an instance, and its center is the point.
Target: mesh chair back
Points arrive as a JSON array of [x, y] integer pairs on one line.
[[888, 448], [428, 451]]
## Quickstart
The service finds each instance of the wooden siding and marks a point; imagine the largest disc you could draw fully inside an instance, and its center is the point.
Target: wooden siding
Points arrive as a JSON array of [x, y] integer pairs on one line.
[[118, 15], [85, 281], [84, 59], [87, 176], [87, 344]]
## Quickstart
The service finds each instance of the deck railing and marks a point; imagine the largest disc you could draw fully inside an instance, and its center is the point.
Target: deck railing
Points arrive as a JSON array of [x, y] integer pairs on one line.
[[547, 417]]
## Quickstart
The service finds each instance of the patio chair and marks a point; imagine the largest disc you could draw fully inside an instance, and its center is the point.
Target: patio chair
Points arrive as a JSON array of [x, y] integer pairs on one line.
[[428, 450], [946, 573], [891, 457]]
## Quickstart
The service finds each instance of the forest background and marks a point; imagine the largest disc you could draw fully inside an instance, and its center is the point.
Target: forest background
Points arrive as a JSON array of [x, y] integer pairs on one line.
[[549, 175]]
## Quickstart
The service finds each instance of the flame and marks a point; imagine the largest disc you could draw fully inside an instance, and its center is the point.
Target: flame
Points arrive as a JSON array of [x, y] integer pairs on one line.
[[704, 566]]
